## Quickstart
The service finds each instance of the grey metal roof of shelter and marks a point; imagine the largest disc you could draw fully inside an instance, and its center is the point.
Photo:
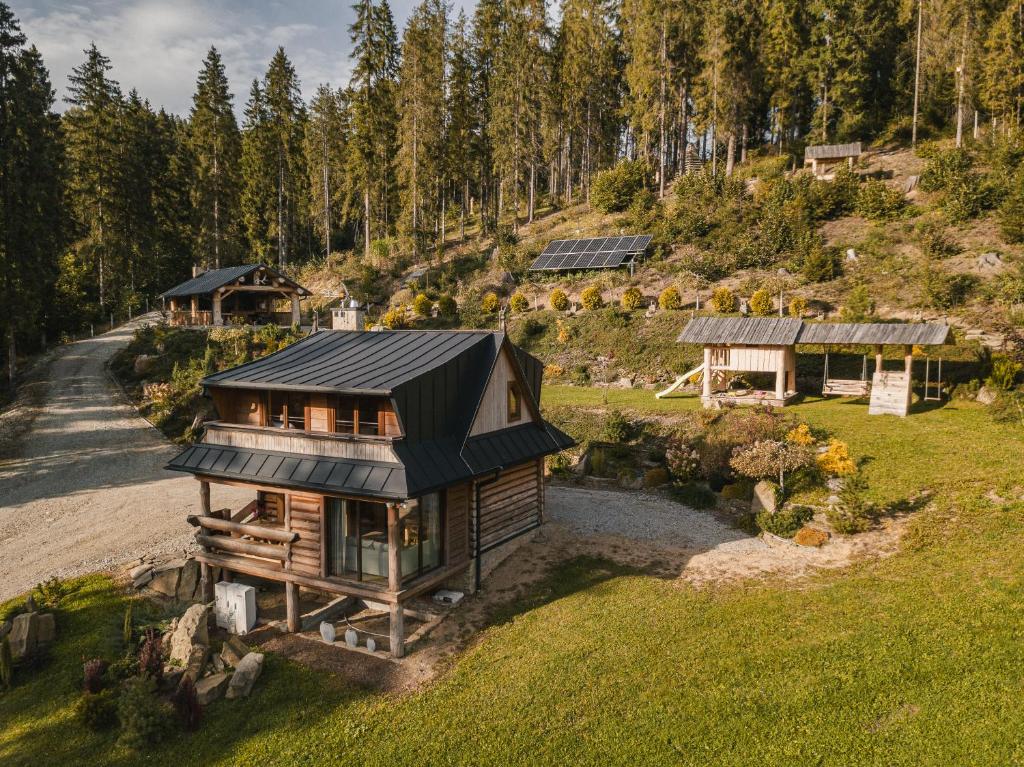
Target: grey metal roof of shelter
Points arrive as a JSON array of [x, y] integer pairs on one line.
[[918, 333], [764, 331], [209, 281], [768, 331], [350, 362], [832, 151]]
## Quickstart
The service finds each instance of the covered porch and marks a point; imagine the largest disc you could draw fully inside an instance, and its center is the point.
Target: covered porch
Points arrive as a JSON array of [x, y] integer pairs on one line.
[[379, 552]]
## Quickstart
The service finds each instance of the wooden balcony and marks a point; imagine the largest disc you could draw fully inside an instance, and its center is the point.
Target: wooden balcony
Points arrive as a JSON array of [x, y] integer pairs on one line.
[[351, 446]]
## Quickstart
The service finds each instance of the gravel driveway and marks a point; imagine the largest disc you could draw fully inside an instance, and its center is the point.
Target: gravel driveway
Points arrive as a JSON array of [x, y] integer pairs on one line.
[[86, 488]]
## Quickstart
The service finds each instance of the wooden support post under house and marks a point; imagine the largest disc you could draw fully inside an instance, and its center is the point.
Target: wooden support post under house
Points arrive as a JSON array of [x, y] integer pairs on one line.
[[878, 358], [706, 391], [397, 620], [291, 589], [908, 359], [205, 571], [780, 376]]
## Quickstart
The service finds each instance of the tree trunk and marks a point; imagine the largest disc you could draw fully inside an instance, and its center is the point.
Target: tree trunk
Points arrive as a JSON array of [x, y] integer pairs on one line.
[[366, 223], [662, 108], [12, 360], [730, 155], [960, 74], [917, 73]]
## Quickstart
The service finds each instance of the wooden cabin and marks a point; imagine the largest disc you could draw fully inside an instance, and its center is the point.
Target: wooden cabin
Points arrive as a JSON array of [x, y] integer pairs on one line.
[[382, 465], [823, 159], [734, 345], [247, 294]]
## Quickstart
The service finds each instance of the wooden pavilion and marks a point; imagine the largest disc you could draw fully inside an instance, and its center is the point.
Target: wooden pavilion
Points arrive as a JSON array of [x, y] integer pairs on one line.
[[245, 293], [823, 159], [734, 345]]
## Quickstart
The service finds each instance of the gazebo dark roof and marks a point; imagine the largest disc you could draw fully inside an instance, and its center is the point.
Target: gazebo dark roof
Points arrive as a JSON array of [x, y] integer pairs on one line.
[[763, 331], [209, 281], [832, 151]]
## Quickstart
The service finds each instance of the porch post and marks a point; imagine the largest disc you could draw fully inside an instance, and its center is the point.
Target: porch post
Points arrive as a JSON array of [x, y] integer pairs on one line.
[[205, 571], [291, 590], [397, 619], [217, 318], [908, 359], [878, 358], [706, 392], [296, 318], [780, 375], [195, 308]]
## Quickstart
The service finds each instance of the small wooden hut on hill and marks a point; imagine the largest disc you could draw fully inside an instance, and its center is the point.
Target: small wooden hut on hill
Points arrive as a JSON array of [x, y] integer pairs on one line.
[[734, 345], [823, 159], [245, 293]]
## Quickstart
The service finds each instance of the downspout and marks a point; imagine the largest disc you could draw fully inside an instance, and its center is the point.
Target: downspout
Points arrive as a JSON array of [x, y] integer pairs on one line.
[[476, 516]]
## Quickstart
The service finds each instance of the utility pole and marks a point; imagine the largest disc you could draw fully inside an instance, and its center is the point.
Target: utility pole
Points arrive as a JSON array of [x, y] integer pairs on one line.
[[917, 73]]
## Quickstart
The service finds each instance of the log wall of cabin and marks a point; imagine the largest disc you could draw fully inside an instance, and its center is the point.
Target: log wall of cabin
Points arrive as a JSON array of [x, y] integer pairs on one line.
[[512, 504], [305, 519], [457, 513]]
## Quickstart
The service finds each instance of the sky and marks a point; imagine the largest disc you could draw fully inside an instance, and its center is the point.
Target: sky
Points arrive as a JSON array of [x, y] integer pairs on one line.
[[158, 47]]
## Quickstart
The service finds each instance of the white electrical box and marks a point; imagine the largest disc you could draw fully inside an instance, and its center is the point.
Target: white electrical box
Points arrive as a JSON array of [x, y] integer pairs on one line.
[[235, 607]]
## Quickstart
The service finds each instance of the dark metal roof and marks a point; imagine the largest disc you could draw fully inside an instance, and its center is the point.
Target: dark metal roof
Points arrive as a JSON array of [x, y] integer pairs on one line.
[[509, 447], [424, 467], [209, 281], [919, 333], [352, 361], [765, 331], [295, 470], [832, 151], [761, 331]]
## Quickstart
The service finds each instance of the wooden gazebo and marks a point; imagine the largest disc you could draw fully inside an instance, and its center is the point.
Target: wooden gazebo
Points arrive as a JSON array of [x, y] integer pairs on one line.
[[823, 159], [768, 345], [245, 293]]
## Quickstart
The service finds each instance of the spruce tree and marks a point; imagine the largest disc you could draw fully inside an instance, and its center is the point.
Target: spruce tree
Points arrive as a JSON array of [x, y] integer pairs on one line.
[[216, 145], [258, 196], [326, 148]]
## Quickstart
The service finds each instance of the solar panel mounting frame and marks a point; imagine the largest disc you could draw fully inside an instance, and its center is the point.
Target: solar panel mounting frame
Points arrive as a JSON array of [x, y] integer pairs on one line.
[[591, 253]]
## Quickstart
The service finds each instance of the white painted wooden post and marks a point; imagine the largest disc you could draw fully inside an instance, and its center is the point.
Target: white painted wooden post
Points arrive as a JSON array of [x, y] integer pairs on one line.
[[706, 393]]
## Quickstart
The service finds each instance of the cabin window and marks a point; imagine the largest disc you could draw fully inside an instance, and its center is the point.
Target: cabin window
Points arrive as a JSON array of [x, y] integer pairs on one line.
[[422, 535], [369, 417], [288, 410], [344, 415], [297, 410], [357, 539], [277, 402], [515, 401]]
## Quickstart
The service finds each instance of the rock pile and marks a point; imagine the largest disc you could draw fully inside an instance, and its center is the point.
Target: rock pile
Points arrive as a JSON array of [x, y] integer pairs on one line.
[[186, 645], [28, 632], [176, 579]]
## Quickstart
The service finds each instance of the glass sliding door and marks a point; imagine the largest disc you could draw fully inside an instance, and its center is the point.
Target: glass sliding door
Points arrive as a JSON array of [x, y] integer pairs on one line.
[[357, 539], [422, 523]]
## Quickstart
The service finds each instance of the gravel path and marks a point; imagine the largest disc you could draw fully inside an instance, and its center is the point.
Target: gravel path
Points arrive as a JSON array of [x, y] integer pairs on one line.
[[85, 487]]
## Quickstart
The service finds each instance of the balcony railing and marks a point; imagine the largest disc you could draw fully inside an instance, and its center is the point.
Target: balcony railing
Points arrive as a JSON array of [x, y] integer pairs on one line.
[[352, 446]]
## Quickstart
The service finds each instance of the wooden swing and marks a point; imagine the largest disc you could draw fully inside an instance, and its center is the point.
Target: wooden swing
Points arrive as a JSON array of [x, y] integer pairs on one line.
[[846, 387], [937, 395]]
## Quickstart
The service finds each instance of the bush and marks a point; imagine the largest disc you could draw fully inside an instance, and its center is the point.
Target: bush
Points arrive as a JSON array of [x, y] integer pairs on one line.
[[670, 298], [142, 714], [800, 435], [741, 490], [683, 462], [558, 301], [519, 303], [1011, 212], [490, 303], [395, 318], [613, 190], [761, 303], [151, 656], [786, 521], [580, 375], [632, 299], [821, 265], [933, 241], [591, 297], [1004, 373], [97, 711], [656, 477], [694, 495], [93, 673], [852, 514], [797, 306], [859, 306], [553, 372], [617, 427], [186, 704], [878, 201], [943, 290], [447, 307], [422, 305], [944, 169], [767, 459], [723, 301], [836, 460]]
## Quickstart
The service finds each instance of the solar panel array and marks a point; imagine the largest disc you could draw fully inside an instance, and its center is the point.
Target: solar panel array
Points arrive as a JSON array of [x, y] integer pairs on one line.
[[593, 253]]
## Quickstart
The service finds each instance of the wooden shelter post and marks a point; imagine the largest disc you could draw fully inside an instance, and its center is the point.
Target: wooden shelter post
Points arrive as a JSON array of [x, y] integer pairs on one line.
[[195, 308], [908, 359], [878, 358], [780, 376], [706, 393], [296, 317], [397, 619], [217, 312]]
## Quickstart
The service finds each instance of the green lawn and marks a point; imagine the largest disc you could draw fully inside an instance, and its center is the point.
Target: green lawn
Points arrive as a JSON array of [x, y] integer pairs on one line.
[[912, 660]]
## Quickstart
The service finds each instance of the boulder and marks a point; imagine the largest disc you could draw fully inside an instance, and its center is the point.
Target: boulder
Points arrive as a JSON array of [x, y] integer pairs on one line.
[[187, 581], [24, 634], [986, 396], [810, 536], [143, 363], [190, 631], [766, 497], [211, 688], [143, 580], [233, 651], [165, 578], [245, 676], [172, 676], [139, 570], [196, 662], [622, 383], [46, 628], [5, 628]]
